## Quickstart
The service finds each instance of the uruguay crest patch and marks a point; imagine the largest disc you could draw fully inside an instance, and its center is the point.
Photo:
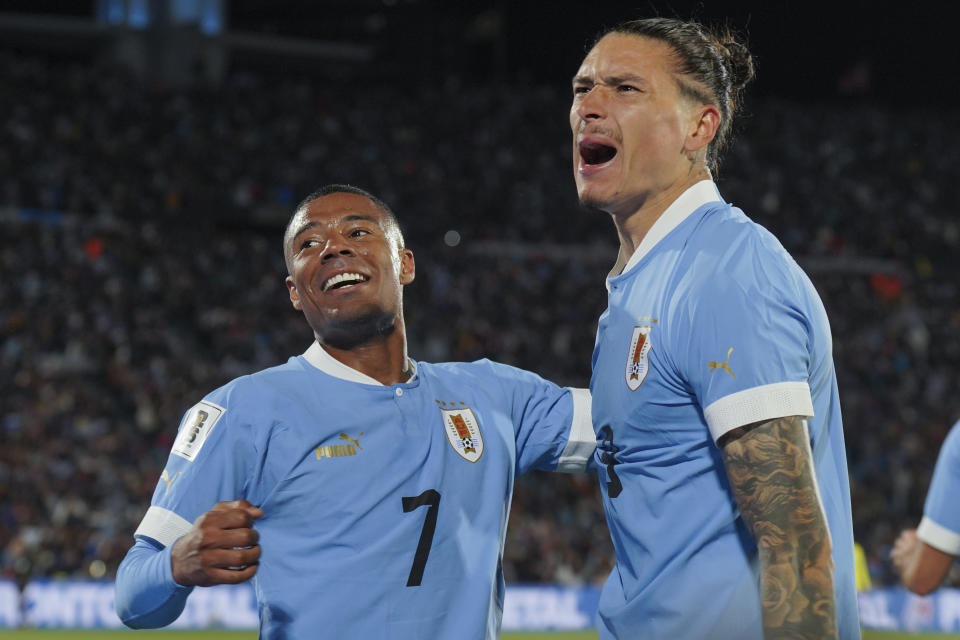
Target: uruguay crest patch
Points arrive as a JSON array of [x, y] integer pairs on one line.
[[463, 433], [638, 362]]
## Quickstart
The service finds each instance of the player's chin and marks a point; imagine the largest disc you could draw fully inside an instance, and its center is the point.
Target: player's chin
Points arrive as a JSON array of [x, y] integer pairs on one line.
[[593, 194], [345, 306], [593, 202], [359, 326]]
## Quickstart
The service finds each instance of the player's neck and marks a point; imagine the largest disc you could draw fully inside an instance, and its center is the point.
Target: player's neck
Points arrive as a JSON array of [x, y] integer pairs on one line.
[[384, 360], [635, 222]]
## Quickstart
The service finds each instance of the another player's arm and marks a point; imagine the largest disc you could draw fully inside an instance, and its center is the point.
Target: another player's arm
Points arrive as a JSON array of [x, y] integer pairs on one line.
[[921, 567], [771, 474]]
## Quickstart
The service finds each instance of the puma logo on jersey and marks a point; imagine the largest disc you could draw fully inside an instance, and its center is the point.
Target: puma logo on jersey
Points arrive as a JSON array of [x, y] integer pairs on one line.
[[725, 365], [344, 436], [339, 450], [165, 476]]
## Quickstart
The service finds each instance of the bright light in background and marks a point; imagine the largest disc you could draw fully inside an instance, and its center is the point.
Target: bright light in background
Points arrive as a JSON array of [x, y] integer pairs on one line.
[[97, 569], [451, 238], [207, 15], [138, 14]]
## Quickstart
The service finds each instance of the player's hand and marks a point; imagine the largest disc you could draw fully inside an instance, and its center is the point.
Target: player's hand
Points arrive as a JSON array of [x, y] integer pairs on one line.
[[220, 548], [903, 549]]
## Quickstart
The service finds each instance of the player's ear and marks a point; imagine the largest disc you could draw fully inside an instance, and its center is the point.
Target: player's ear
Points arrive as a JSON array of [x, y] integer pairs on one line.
[[408, 268], [704, 122], [294, 296]]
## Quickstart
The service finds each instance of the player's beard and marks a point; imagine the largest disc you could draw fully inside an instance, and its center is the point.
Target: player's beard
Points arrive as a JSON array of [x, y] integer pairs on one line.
[[349, 333]]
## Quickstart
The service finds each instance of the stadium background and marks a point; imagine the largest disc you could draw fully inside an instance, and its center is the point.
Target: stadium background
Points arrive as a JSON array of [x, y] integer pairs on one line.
[[146, 172]]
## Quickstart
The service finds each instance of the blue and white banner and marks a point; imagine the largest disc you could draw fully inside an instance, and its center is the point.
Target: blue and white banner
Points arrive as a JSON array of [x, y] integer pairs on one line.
[[76, 604], [896, 608], [9, 604], [543, 607], [88, 604]]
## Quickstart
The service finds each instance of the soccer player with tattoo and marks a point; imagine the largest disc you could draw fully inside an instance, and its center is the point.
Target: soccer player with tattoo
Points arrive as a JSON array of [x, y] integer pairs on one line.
[[923, 556], [366, 494], [723, 471]]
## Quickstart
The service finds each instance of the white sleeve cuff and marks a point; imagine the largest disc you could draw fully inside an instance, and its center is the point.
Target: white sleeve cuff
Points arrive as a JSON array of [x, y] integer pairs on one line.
[[939, 537], [162, 525], [582, 440], [758, 404]]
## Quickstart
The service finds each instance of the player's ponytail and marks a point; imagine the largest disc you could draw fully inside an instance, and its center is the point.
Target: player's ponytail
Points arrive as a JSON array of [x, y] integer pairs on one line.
[[739, 66]]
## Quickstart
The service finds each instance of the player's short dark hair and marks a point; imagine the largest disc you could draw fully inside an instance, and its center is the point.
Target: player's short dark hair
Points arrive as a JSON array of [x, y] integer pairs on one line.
[[714, 57], [326, 190], [348, 188]]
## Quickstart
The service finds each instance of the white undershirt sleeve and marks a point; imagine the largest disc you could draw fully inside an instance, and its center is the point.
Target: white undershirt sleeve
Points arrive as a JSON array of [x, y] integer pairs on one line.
[[582, 440]]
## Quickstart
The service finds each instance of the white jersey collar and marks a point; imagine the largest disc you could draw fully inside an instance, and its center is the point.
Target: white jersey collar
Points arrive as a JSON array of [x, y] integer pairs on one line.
[[319, 358], [693, 198]]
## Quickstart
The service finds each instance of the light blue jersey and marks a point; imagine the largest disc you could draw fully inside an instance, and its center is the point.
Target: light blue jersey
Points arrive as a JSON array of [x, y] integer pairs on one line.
[[385, 507], [711, 326], [940, 526]]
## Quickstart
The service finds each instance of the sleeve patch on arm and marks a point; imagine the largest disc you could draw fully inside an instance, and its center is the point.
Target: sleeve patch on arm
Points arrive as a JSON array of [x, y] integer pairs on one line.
[[582, 440], [938, 536], [758, 404], [196, 428], [162, 525]]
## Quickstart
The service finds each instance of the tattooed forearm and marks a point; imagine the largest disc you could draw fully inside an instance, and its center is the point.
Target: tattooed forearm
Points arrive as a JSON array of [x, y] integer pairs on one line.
[[771, 474]]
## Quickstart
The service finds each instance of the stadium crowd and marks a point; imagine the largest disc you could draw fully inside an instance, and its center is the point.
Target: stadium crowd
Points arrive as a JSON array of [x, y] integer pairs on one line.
[[141, 268]]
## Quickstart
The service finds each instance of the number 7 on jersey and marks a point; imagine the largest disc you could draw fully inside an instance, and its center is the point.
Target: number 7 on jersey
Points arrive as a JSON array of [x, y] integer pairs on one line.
[[430, 498]]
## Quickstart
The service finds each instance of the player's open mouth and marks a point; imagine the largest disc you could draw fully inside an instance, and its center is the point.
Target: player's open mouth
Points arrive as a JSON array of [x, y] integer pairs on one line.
[[596, 153], [344, 280]]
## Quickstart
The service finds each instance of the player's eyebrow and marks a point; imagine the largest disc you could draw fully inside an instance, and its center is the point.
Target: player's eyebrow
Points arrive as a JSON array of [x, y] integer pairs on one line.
[[630, 78], [304, 228], [350, 218], [355, 217], [611, 80]]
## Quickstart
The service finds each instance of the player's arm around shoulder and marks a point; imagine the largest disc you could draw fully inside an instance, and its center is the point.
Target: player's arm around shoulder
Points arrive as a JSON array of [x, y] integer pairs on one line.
[[553, 426], [771, 474]]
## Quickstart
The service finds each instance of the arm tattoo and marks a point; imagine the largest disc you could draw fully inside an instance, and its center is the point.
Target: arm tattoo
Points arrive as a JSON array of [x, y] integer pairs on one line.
[[771, 474]]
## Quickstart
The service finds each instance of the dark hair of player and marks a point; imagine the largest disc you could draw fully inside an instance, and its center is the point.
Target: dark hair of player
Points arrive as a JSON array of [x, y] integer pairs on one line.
[[714, 58], [349, 188]]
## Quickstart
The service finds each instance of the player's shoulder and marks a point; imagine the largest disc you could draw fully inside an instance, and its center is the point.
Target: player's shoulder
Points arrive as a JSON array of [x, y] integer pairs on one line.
[[478, 368], [727, 228], [951, 445], [480, 372], [257, 388], [729, 247]]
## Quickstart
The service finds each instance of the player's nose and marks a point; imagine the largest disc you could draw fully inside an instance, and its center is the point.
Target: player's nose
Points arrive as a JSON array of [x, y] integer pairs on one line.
[[592, 105], [337, 248]]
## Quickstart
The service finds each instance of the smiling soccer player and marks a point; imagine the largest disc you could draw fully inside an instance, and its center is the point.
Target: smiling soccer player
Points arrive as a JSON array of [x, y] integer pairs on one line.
[[366, 494]]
